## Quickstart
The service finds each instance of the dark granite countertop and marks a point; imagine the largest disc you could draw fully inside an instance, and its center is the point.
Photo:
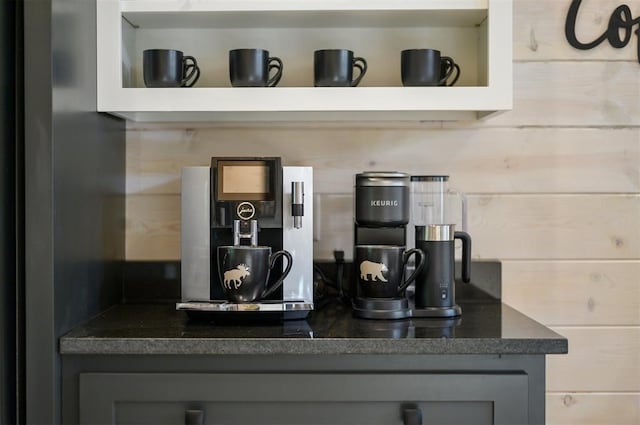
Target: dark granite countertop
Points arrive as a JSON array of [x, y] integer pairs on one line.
[[485, 327]]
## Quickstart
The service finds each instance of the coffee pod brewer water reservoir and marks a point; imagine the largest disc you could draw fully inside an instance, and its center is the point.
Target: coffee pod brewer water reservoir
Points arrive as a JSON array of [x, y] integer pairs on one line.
[[435, 236], [382, 208]]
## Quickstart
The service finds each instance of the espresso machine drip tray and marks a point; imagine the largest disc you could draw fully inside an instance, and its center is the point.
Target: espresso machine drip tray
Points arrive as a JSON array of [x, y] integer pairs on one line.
[[381, 308], [265, 311], [279, 306]]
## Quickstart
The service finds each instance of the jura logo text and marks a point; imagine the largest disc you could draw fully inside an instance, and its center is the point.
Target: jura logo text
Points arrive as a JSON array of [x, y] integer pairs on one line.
[[384, 203], [246, 210]]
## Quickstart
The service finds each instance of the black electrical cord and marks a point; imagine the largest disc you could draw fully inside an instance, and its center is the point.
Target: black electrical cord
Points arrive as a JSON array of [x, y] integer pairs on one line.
[[323, 296], [339, 259], [324, 278]]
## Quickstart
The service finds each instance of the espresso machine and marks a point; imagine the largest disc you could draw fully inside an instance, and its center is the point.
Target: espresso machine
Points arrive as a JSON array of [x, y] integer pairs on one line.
[[252, 201], [435, 235], [382, 208]]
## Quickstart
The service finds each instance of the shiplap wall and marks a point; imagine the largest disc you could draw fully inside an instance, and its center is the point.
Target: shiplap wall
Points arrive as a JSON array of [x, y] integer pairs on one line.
[[554, 193]]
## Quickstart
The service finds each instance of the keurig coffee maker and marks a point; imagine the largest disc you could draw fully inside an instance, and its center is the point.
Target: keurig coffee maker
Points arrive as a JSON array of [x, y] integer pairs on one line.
[[256, 210], [382, 208]]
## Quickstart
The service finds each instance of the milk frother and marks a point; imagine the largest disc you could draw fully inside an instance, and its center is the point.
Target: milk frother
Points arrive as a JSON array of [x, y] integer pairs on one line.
[[435, 284], [435, 236]]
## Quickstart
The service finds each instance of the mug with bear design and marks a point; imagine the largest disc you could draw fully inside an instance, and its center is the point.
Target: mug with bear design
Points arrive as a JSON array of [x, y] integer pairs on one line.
[[380, 269]]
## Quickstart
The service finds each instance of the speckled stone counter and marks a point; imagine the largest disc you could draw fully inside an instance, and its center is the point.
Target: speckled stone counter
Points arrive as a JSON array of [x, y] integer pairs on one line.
[[485, 327]]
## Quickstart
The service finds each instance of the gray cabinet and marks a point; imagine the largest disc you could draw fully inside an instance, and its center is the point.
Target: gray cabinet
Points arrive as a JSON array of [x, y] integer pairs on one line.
[[305, 398]]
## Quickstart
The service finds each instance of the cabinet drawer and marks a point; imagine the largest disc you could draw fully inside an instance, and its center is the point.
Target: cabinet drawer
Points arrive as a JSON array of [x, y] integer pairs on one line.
[[303, 398], [296, 413]]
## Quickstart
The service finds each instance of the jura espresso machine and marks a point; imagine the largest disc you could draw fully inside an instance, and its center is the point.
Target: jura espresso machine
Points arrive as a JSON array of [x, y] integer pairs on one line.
[[241, 204]]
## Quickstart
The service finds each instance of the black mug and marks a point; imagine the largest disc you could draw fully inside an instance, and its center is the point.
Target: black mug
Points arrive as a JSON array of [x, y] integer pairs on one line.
[[244, 272], [251, 68], [381, 268], [446, 71], [169, 68], [422, 67], [334, 68]]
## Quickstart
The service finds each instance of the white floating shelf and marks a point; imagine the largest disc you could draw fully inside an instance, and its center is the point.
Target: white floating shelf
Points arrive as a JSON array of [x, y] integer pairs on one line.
[[479, 31], [315, 103]]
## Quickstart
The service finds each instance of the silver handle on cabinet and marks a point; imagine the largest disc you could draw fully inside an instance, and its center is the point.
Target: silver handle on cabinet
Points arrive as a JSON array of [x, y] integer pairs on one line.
[[411, 415], [194, 417]]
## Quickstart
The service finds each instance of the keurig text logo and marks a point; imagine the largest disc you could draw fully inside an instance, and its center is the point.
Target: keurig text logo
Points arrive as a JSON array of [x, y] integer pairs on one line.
[[246, 210], [384, 203]]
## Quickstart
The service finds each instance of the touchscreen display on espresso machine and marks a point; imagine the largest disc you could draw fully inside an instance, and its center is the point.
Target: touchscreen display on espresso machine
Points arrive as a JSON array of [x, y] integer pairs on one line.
[[244, 180]]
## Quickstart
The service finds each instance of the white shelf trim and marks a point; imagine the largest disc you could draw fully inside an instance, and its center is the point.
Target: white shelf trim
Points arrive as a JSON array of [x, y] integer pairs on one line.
[[313, 99], [155, 6]]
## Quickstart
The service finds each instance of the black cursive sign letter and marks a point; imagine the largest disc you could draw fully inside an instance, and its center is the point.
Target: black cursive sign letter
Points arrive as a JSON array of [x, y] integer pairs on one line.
[[621, 20]]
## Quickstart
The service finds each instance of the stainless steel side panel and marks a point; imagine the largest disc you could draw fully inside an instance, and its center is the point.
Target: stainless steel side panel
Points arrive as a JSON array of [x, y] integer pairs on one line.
[[195, 235], [299, 242]]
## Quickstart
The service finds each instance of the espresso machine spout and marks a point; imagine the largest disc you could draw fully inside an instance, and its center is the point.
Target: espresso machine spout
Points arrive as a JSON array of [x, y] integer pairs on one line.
[[252, 233]]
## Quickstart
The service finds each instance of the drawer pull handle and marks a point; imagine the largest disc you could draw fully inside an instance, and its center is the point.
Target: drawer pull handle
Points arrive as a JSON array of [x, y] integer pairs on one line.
[[411, 415], [194, 417]]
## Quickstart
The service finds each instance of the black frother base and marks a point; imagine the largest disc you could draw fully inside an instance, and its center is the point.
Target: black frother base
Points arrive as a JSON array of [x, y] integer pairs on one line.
[[381, 308], [437, 311]]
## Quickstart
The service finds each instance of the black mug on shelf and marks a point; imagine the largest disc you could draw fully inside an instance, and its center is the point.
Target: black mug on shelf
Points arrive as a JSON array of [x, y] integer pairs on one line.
[[334, 68], [423, 67], [446, 72], [381, 269], [251, 68], [245, 270], [169, 68]]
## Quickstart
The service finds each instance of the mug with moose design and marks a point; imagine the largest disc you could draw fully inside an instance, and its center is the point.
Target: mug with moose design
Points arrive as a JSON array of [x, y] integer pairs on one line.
[[380, 269], [244, 272]]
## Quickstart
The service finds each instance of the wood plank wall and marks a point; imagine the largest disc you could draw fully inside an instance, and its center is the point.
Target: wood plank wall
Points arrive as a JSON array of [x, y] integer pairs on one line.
[[554, 193]]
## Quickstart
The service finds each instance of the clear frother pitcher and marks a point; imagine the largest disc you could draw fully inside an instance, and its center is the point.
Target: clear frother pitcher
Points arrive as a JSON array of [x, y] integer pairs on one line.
[[432, 202]]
